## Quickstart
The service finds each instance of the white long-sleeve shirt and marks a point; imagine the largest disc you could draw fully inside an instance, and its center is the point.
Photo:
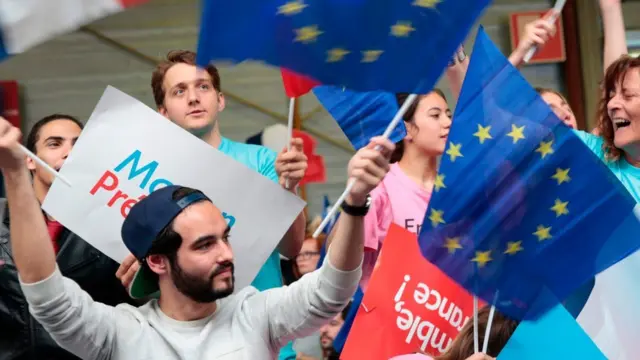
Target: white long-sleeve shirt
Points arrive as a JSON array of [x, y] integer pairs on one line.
[[246, 325]]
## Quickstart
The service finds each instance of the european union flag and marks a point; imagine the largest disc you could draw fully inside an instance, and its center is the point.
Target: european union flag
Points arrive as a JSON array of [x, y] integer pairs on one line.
[[554, 336], [392, 45], [520, 203], [361, 115]]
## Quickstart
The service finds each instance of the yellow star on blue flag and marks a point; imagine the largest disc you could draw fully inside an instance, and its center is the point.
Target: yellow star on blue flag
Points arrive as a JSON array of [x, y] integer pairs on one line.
[[363, 45], [521, 223]]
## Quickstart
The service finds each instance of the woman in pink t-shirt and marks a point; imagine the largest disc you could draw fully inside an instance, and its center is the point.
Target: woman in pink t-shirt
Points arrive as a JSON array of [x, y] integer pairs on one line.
[[403, 195]]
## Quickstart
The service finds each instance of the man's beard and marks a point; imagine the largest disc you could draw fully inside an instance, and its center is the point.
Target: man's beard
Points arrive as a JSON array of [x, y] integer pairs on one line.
[[327, 346], [199, 289]]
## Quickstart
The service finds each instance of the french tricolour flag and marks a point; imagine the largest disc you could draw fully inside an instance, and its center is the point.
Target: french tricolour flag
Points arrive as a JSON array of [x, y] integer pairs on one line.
[[27, 23]]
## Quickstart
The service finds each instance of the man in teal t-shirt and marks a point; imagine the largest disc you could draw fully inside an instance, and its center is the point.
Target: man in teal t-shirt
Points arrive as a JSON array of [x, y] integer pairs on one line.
[[192, 99], [262, 160]]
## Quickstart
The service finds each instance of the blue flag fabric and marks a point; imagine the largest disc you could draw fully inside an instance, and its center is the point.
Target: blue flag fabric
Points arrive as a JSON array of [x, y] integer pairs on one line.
[[553, 336], [520, 203], [361, 115], [392, 45]]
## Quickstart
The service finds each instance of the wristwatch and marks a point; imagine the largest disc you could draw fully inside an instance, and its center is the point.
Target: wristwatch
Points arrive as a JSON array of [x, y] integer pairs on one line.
[[458, 57], [356, 210]]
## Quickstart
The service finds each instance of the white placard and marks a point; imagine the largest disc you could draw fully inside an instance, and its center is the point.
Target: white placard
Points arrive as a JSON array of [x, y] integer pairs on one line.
[[127, 150]]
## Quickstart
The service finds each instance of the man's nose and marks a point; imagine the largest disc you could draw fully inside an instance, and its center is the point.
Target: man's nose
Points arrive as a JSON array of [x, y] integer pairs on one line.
[[226, 254], [67, 149], [193, 96]]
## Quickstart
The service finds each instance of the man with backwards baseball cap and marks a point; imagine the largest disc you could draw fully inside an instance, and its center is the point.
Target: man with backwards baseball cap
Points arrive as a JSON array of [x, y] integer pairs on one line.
[[182, 240]]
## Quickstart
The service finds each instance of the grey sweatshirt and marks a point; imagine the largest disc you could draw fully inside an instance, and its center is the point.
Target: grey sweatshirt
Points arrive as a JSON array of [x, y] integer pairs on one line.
[[247, 325]]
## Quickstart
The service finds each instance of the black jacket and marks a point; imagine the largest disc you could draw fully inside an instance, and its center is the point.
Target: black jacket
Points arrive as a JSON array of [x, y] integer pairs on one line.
[[21, 336]]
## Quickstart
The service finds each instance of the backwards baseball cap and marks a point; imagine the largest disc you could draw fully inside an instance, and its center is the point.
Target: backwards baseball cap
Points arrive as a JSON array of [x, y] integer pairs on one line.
[[146, 220]]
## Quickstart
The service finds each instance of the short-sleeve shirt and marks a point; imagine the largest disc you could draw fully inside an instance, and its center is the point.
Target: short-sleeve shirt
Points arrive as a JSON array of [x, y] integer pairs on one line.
[[396, 199], [262, 160]]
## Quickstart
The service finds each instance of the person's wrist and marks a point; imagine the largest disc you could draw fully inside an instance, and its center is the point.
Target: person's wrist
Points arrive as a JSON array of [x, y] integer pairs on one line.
[[356, 199], [523, 47]]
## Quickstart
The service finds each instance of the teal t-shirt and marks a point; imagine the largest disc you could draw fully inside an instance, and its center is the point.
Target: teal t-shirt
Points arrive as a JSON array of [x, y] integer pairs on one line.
[[628, 174], [262, 160]]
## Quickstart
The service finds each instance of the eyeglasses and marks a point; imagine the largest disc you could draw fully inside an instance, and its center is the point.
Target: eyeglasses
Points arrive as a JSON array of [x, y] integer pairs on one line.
[[307, 254]]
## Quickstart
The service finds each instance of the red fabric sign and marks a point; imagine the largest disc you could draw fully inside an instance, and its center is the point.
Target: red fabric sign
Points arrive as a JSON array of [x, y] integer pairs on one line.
[[410, 305]]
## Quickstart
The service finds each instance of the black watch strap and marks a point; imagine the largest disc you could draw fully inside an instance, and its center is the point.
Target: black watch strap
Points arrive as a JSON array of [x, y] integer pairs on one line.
[[356, 210]]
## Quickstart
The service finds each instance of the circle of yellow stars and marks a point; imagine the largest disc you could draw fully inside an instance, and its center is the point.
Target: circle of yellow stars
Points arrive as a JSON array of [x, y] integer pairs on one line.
[[542, 233], [402, 29], [310, 33]]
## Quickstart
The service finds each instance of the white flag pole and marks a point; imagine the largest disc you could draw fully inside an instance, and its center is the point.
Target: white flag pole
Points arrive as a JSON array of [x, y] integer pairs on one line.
[[292, 104], [557, 10], [334, 209], [44, 165]]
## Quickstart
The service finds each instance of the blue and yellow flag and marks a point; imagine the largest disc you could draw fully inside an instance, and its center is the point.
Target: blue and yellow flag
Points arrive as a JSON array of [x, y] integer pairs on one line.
[[363, 45], [520, 203]]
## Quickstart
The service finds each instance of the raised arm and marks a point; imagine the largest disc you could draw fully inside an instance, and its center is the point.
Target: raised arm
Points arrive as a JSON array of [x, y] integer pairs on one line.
[[368, 166], [70, 316], [290, 167], [456, 72], [28, 229], [310, 302], [615, 41]]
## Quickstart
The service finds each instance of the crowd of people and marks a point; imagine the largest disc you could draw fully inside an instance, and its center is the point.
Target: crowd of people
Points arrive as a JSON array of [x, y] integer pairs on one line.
[[61, 299]]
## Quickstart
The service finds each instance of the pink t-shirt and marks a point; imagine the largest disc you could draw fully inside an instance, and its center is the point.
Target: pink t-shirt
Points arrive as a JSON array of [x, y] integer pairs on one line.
[[398, 199]]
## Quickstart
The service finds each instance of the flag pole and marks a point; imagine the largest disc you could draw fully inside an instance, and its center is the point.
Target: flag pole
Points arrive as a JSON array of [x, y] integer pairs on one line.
[[556, 11], [487, 330], [476, 342], [334, 209], [46, 166], [292, 105]]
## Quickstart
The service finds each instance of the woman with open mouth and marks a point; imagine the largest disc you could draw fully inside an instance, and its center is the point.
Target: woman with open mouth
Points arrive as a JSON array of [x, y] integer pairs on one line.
[[619, 123], [618, 127]]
